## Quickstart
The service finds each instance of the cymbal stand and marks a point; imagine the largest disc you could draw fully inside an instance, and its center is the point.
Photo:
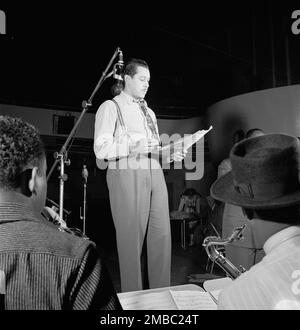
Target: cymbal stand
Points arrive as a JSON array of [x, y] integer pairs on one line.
[[61, 156]]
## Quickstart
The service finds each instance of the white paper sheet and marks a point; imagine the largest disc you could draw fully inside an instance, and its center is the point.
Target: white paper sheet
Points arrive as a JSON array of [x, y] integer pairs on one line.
[[193, 300], [149, 301], [186, 142]]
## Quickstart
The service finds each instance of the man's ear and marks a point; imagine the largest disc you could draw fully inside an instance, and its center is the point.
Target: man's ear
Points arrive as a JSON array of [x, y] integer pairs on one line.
[[24, 180], [32, 180], [125, 77]]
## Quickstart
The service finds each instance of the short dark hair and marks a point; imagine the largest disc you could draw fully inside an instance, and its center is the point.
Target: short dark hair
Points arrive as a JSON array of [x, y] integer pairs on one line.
[[20, 147], [131, 66], [190, 192]]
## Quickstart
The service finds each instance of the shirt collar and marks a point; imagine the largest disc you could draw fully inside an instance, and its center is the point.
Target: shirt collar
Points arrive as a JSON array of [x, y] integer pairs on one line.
[[281, 237], [10, 211], [128, 98]]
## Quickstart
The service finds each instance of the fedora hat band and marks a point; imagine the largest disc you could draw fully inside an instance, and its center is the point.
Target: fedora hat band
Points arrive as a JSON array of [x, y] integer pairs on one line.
[[261, 191]]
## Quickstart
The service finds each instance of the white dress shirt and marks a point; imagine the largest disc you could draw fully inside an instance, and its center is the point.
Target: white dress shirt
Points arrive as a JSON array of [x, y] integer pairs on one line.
[[273, 283], [111, 141]]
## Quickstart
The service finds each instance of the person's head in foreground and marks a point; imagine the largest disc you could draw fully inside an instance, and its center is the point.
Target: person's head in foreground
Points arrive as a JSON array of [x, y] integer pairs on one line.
[[22, 163], [264, 181], [40, 266]]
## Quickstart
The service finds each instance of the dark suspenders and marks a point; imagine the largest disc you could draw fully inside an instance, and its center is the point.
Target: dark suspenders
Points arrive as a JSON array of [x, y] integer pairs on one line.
[[121, 120], [120, 117]]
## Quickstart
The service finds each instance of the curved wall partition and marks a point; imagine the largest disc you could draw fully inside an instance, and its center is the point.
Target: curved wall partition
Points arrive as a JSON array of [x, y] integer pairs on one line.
[[275, 110]]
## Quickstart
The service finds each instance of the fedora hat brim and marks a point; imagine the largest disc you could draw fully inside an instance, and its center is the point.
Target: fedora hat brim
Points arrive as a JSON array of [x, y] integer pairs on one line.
[[223, 190]]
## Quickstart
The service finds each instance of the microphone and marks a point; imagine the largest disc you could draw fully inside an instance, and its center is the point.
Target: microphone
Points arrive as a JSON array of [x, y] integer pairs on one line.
[[117, 88], [118, 67], [85, 173]]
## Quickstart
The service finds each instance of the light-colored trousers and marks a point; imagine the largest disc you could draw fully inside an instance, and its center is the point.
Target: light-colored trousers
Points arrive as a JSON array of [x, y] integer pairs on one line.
[[139, 206]]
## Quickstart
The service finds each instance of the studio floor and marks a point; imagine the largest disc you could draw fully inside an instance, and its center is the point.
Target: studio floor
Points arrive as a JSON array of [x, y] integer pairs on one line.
[[191, 261], [184, 262]]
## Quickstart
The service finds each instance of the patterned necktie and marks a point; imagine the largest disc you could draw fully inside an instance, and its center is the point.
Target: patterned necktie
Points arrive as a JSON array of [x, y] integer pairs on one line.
[[149, 120]]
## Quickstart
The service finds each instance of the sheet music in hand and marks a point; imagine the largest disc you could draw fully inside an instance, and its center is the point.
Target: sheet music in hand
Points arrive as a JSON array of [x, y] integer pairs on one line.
[[186, 142]]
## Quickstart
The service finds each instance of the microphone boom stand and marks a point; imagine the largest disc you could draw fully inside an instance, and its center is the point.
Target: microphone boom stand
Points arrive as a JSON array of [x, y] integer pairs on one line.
[[61, 156]]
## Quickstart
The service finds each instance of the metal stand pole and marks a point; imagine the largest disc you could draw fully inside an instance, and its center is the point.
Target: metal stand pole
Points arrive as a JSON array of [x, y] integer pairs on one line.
[[62, 178], [85, 175], [84, 207], [61, 156]]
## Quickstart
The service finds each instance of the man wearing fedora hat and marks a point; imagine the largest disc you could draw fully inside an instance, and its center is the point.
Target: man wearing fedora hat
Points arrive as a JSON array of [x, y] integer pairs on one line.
[[264, 181], [243, 252]]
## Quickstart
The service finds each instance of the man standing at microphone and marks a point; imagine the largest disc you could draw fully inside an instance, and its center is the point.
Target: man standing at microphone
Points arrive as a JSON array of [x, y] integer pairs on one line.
[[126, 133]]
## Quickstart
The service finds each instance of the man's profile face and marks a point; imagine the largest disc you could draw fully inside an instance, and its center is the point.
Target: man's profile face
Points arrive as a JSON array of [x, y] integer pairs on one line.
[[137, 86]]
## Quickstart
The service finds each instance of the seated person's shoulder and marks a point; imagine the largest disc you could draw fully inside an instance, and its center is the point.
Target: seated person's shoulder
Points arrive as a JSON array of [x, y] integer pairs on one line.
[[59, 242]]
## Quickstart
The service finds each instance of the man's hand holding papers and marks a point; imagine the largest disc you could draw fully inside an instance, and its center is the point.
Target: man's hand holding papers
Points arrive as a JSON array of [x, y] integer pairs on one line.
[[177, 150]]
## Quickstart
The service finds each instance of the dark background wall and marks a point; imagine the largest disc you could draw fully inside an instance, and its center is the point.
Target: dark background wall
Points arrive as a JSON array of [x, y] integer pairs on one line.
[[199, 53]]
